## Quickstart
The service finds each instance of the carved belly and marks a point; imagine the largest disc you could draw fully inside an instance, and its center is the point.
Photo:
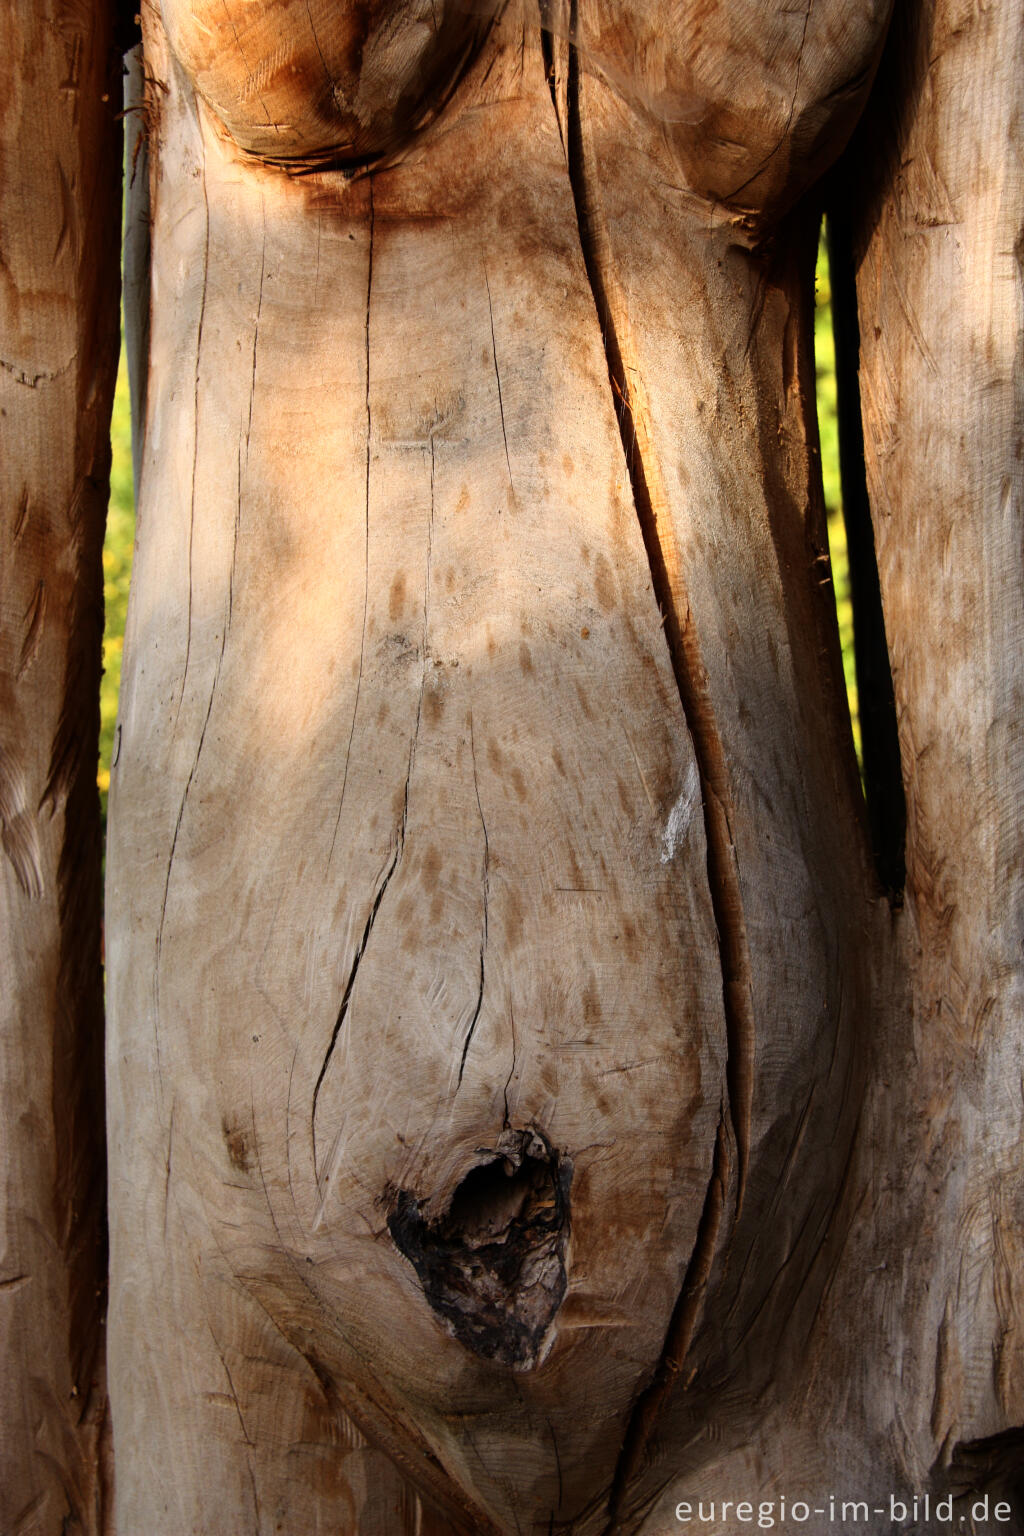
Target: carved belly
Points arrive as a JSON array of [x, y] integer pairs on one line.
[[419, 719]]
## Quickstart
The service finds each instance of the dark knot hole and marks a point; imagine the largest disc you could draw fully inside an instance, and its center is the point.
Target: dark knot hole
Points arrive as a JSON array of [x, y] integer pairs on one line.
[[492, 1266]]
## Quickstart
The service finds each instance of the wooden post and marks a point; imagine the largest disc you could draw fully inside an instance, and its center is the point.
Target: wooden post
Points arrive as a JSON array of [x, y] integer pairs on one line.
[[532, 1103], [60, 179]]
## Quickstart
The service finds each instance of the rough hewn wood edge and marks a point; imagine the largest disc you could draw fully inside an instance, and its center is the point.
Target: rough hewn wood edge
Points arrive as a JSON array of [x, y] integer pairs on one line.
[[60, 161], [932, 189]]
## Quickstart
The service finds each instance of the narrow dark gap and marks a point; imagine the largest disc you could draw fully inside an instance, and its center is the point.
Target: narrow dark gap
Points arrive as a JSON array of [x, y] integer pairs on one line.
[[127, 25], [879, 735], [119, 538]]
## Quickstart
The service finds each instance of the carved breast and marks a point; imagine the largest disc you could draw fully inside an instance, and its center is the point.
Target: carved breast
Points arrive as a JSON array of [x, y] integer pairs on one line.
[[753, 98], [310, 82]]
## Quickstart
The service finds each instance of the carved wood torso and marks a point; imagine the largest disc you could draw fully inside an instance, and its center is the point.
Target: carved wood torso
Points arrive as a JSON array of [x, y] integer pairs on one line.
[[475, 577], [493, 941]]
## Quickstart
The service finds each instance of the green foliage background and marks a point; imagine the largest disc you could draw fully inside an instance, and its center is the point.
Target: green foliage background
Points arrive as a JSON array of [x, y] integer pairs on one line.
[[825, 378], [117, 569], [117, 552]]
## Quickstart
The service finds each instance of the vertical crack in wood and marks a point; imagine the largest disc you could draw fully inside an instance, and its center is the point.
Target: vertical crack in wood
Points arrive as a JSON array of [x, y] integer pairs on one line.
[[483, 939], [158, 956], [346, 998], [650, 502], [547, 48], [256, 326], [681, 1329], [506, 1121], [497, 375]]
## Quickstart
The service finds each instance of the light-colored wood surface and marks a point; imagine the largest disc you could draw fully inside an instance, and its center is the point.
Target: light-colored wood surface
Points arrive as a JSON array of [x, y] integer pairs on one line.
[[485, 797], [913, 1368], [410, 838], [59, 222]]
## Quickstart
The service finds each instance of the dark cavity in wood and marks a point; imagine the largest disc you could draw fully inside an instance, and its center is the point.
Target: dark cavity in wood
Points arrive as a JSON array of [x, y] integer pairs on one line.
[[493, 1265], [993, 1465]]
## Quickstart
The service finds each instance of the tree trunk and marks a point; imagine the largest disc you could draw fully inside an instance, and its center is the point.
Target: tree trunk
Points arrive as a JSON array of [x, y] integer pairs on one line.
[[938, 235], [59, 222], [534, 1102]]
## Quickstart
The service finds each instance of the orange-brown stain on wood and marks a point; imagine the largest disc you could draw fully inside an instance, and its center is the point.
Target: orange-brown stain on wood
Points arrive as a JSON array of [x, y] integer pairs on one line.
[[325, 1472], [556, 758], [396, 597], [431, 868], [548, 1078], [513, 917], [238, 1147], [592, 1014], [318, 1418], [525, 658], [433, 702], [604, 583], [495, 757], [518, 783]]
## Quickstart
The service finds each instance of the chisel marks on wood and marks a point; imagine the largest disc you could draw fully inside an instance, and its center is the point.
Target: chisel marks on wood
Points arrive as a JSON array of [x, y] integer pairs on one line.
[[19, 832]]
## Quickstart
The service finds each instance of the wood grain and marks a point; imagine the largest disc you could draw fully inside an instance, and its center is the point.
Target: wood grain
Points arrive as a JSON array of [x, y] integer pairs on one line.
[[518, 1076], [939, 215], [59, 223]]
